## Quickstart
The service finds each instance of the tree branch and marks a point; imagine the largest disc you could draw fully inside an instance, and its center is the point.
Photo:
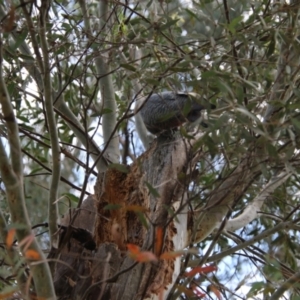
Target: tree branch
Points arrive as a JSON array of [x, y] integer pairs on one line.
[[12, 175], [56, 161]]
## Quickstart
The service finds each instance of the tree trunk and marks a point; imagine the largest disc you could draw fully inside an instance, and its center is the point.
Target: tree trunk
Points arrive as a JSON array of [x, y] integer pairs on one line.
[[131, 208]]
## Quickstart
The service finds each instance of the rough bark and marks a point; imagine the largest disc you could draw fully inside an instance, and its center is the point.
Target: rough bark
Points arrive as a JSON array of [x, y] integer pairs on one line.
[[107, 272]]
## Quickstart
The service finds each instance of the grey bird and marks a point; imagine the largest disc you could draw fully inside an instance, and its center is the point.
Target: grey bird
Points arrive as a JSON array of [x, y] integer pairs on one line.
[[168, 110]]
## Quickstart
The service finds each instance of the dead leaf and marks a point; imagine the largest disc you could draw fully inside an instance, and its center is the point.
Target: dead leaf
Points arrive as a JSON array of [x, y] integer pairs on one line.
[[26, 242], [10, 237], [72, 283], [146, 256], [140, 256], [9, 22], [188, 292], [32, 255], [215, 290], [171, 255], [197, 270], [7, 295], [159, 240], [133, 249]]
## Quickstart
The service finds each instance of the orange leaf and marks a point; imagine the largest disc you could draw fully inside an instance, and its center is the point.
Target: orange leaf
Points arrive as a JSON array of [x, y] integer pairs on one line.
[[198, 293], [196, 290], [7, 295], [71, 282], [197, 270], [161, 294], [32, 255], [140, 256], [209, 269], [133, 249], [215, 290], [189, 293], [26, 242], [10, 237], [171, 255], [145, 256], [159, 240], [9, 22]]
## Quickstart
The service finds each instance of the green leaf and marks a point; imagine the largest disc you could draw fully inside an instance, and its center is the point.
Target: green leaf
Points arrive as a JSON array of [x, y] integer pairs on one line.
[[207, 141], [233, 24], [247, 113], [142, 219], [184, 133], [271, 47], [119, 167], [297, 93], [128, 67], [209, 74], [152, 190], [168, 24], [172, 213], [187, 108], [180, 69], [106, 111], [17, 226], [20, 39], [36, 170], [151, 81], [24, 119], [273, 152], [112, 206], [149, 3], [296, 123], [42, 159], [192, 14], [71, 197], [256, 288]]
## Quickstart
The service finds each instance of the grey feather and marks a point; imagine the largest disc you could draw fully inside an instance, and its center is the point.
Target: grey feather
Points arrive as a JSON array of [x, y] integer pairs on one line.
[[168, 110]]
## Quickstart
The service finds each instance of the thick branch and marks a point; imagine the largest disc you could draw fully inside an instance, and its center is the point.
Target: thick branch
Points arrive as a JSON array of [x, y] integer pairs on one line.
[[12, 176], [60, 106], [56, 161], [107, 95], [251, 211]]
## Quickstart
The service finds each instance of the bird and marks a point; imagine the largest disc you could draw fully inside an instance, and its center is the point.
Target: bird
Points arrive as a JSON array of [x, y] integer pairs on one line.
[[168, 110]]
